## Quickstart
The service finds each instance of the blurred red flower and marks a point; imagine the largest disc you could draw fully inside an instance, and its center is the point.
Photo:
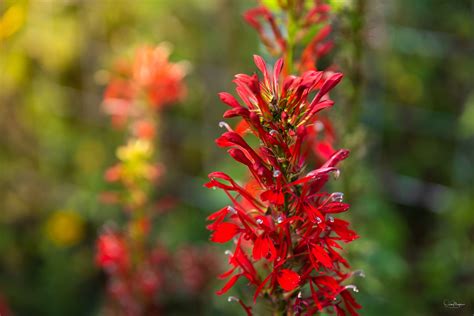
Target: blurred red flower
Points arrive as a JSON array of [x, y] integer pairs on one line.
[[150, 77], [112, 253]]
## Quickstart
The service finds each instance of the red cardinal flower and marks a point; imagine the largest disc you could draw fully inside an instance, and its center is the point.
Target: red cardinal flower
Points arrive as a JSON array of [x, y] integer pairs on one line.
[[286, 235]]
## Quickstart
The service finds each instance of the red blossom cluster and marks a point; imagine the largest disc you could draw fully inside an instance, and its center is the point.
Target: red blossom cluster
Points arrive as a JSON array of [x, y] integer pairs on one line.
[[141, 272], [285, 228], [305, 17], [282, 222], [142, 285], [307, 30], [150, 80]]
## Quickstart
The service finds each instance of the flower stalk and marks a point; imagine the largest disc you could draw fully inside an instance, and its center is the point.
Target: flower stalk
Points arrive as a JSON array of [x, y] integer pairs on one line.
[[141, 271], [283, 223]]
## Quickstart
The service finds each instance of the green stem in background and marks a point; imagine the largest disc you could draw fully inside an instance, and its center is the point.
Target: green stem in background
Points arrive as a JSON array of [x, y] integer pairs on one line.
[[292, 28], [356, 74]]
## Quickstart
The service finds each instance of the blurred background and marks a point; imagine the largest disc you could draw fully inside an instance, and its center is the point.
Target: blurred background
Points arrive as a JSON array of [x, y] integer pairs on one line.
[[405, 109]]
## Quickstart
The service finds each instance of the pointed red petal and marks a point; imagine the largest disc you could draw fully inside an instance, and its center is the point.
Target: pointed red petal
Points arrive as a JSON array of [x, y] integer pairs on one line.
[[224, 232], [321, 255], [229, 284], [229, 99], [260, 287]]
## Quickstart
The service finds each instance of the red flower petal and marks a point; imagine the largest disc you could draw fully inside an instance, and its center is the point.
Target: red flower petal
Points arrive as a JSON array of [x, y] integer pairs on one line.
[[321, 255], [229, 99], [264, 248], [273, 197], [242, 127], [288, 280], [229, 284], [224, 232]]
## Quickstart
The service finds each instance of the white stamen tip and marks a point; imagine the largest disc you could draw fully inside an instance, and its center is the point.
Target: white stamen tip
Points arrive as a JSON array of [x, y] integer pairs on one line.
[[279, 219], [276, 173], [259, 221], [224, 124]]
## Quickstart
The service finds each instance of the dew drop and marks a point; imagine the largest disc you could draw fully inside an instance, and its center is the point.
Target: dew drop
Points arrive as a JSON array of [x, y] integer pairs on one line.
[[276, 173], [231, 209], [259, 221], [318, 126], [232, 299], [337, 197]]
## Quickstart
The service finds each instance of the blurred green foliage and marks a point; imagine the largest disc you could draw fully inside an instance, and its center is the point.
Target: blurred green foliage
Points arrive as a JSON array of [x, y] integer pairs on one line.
[[405, 109]]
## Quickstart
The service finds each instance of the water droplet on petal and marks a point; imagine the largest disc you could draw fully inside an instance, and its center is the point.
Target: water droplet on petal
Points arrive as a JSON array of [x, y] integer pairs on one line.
[[231, 209], [259, 221], [276, 173], [318, 126], [337, 197], [232, 299]]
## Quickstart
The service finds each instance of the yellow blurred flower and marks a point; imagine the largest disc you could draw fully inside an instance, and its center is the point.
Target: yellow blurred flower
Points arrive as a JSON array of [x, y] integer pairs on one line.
[[65, 228], [135, 150], [11, 21]]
